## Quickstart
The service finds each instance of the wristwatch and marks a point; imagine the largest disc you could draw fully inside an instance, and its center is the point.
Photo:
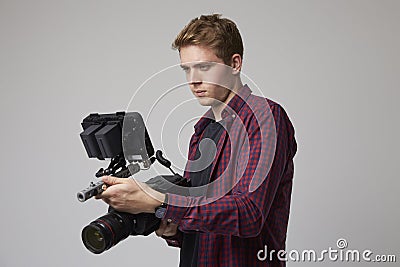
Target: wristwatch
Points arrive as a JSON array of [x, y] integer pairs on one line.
[[162, 209]]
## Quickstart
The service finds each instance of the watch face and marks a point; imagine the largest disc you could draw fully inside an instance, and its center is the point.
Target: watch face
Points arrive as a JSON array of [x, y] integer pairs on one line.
[[160, 212]]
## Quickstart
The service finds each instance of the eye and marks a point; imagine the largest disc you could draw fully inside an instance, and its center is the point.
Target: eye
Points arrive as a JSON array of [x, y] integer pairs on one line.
[[185, 69], [205, 67]]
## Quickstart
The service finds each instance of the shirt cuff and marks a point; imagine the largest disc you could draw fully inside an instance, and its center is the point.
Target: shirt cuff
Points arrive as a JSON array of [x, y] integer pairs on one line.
[[176, 208]]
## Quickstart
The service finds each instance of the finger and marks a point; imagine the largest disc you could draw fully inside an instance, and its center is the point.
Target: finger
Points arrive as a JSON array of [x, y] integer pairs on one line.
[[106, 199], [108, 192], [104, 194], [160, 231], [111, 180]]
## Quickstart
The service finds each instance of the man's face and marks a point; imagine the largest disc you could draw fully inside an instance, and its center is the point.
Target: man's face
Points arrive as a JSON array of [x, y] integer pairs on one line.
[[209, 78]]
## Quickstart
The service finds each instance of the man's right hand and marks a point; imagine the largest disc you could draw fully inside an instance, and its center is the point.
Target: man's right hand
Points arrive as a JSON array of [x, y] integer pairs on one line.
[[167, 229]]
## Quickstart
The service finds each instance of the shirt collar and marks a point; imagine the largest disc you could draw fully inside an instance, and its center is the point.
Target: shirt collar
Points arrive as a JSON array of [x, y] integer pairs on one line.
[[228, 113]]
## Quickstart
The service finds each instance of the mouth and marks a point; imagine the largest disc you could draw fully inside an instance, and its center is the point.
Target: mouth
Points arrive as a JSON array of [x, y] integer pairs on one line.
[[200, 93]]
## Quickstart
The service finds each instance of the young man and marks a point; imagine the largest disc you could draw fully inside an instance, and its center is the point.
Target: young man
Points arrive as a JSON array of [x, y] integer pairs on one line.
[[246, 185]]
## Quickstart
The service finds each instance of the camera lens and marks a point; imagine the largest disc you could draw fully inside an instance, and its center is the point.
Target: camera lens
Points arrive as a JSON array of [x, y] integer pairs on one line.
[[106, 231], [93, 239]]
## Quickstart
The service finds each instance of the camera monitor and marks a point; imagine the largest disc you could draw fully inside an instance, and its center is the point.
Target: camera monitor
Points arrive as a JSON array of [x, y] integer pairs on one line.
[[109, 135]]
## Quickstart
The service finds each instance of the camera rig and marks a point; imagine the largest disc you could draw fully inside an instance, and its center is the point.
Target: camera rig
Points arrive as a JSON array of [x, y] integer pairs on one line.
[[123, 138]]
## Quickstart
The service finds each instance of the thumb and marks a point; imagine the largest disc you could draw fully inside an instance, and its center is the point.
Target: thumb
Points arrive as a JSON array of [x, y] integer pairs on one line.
[[111, 180], [160, 231]]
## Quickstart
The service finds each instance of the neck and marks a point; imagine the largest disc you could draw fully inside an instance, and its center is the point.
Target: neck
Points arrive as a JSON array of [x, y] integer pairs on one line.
[[217, 109]]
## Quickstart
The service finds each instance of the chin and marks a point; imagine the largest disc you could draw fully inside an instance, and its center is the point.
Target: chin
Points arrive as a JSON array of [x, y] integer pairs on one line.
[[205, 101]]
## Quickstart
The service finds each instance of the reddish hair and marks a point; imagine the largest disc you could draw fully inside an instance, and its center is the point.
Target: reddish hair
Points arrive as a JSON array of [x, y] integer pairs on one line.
[[219, 34]]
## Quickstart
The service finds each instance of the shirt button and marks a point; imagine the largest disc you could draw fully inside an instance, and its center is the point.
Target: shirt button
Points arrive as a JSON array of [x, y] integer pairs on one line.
[[233, 116], [169, 220]]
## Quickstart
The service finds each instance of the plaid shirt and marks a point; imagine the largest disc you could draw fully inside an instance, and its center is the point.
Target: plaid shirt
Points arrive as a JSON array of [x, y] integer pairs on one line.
[[247, 207]]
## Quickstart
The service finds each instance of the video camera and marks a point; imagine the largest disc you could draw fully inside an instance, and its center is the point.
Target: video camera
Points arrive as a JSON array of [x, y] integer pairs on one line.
[[124, 139]]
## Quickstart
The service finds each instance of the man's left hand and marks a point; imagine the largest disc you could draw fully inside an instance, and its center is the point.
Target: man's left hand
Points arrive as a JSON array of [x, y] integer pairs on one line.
[[129, 195]]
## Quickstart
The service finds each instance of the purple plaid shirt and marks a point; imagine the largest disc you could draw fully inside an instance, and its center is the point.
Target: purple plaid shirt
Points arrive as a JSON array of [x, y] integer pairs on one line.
[[247, 208]]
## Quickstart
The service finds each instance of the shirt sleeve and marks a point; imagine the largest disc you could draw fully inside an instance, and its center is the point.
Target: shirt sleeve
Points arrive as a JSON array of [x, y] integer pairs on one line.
[[243, 212]]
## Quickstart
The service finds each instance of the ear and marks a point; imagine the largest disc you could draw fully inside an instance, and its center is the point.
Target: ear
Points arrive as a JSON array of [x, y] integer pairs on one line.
[[236, 64]]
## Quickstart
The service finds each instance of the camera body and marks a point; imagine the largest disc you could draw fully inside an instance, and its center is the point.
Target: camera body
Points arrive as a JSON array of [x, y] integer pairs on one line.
[[108, 230]]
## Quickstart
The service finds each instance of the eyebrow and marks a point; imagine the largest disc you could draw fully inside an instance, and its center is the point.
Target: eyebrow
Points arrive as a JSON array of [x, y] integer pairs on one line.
[[202, 63]]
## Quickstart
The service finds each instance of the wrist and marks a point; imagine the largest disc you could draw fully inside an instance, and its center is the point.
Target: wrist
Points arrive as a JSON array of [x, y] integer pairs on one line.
[[153, 199], [156, 202], [161, 209]]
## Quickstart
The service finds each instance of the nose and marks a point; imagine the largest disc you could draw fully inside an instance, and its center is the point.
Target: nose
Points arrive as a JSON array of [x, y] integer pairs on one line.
[[193, 76]]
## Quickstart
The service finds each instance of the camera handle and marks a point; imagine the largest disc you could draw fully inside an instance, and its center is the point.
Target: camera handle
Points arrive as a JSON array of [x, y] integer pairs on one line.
[[163, 161]]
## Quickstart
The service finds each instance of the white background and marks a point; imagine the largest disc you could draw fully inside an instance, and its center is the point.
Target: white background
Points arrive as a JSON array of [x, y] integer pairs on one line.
[[333, 65]]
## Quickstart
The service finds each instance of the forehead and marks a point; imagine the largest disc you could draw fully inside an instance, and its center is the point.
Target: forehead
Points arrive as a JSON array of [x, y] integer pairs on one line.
[[196, 53]]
